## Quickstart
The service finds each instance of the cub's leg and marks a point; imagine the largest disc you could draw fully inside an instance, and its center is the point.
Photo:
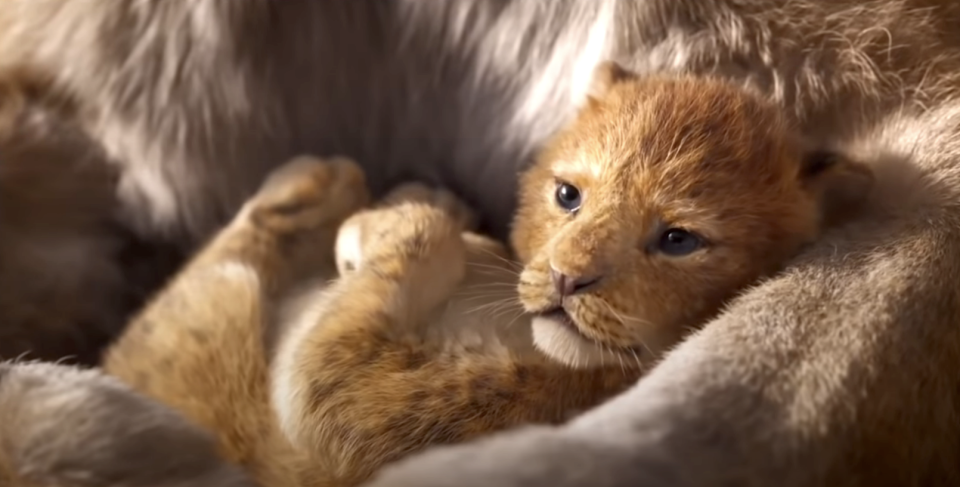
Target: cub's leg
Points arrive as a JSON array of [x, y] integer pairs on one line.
[[199, 346], [355, 385]]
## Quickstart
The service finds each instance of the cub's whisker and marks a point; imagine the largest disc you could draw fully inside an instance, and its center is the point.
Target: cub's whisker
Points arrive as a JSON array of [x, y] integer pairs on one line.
[[494, 268], [519, 266]]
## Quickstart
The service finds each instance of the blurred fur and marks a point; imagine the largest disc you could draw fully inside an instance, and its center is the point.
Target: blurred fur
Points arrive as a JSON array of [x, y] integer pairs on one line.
[[59, 282], [838, 372], [66, 427], [70, 274]]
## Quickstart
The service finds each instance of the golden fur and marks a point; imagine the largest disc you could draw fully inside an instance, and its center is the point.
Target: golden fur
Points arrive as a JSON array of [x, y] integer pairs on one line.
[[647, 156], [356, 386], [838, 371], [394, 355]]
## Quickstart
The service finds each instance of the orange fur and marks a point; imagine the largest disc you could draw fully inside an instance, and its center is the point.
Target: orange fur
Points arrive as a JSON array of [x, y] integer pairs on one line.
[[385, 356], [650, 154]]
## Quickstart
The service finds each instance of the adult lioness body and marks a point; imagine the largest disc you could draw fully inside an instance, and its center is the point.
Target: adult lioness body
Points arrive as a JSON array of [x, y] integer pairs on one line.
[[844, 364]]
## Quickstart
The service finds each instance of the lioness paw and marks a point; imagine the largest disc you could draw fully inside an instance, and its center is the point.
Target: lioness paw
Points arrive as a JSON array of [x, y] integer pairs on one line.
[[309, 192]]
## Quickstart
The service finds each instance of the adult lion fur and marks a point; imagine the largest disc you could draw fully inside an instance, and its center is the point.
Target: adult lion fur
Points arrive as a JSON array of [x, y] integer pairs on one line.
[[841, 371]]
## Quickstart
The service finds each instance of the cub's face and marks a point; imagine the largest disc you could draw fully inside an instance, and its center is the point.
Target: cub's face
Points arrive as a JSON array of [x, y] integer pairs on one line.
[[658, 203]]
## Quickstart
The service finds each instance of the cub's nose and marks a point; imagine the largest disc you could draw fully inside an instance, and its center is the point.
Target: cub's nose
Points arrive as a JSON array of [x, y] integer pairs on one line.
[[569, 285]]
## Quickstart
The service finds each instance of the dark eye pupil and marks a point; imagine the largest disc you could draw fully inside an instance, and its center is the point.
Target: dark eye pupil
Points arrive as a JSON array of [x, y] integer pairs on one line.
[[678, 242], [568, 193], [568, 196]]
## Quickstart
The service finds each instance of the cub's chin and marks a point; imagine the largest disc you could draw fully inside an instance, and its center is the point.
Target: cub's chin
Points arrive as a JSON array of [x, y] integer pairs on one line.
[[556, 335]]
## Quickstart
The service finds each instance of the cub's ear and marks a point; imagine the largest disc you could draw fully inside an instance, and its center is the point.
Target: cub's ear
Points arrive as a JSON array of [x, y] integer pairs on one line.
[[840, 184], [605, 75]]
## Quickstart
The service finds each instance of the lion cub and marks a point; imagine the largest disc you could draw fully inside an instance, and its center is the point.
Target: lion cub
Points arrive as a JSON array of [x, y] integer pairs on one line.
[[659, 202]]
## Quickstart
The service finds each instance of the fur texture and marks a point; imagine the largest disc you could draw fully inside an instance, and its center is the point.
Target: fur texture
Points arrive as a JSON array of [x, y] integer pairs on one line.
[[70, 274], [815, 377], [199, 100], [59, 280], [651, 157], [840, 371], [364, 371], [79, 428], [393, 353]]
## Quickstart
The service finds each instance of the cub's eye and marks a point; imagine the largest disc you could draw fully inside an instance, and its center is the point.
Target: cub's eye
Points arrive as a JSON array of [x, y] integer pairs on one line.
[[568, 197], [677, 242]]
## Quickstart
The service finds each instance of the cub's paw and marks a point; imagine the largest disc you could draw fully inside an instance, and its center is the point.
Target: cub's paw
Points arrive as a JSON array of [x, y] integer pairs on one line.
[[414, 233], [308, 193], [411, 211]]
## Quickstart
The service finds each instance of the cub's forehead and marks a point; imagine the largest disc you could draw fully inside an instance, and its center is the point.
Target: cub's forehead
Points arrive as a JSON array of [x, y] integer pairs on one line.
[[680, 130]]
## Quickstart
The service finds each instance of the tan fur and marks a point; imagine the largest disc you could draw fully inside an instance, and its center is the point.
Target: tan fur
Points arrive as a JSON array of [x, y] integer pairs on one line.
[[648, 155], [365, 388], [838, 372], [413, 348], [277, 239], [387, 359]]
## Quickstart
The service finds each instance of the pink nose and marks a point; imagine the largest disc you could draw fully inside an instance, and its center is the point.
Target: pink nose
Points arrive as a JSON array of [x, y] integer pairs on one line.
[[569, 285]]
